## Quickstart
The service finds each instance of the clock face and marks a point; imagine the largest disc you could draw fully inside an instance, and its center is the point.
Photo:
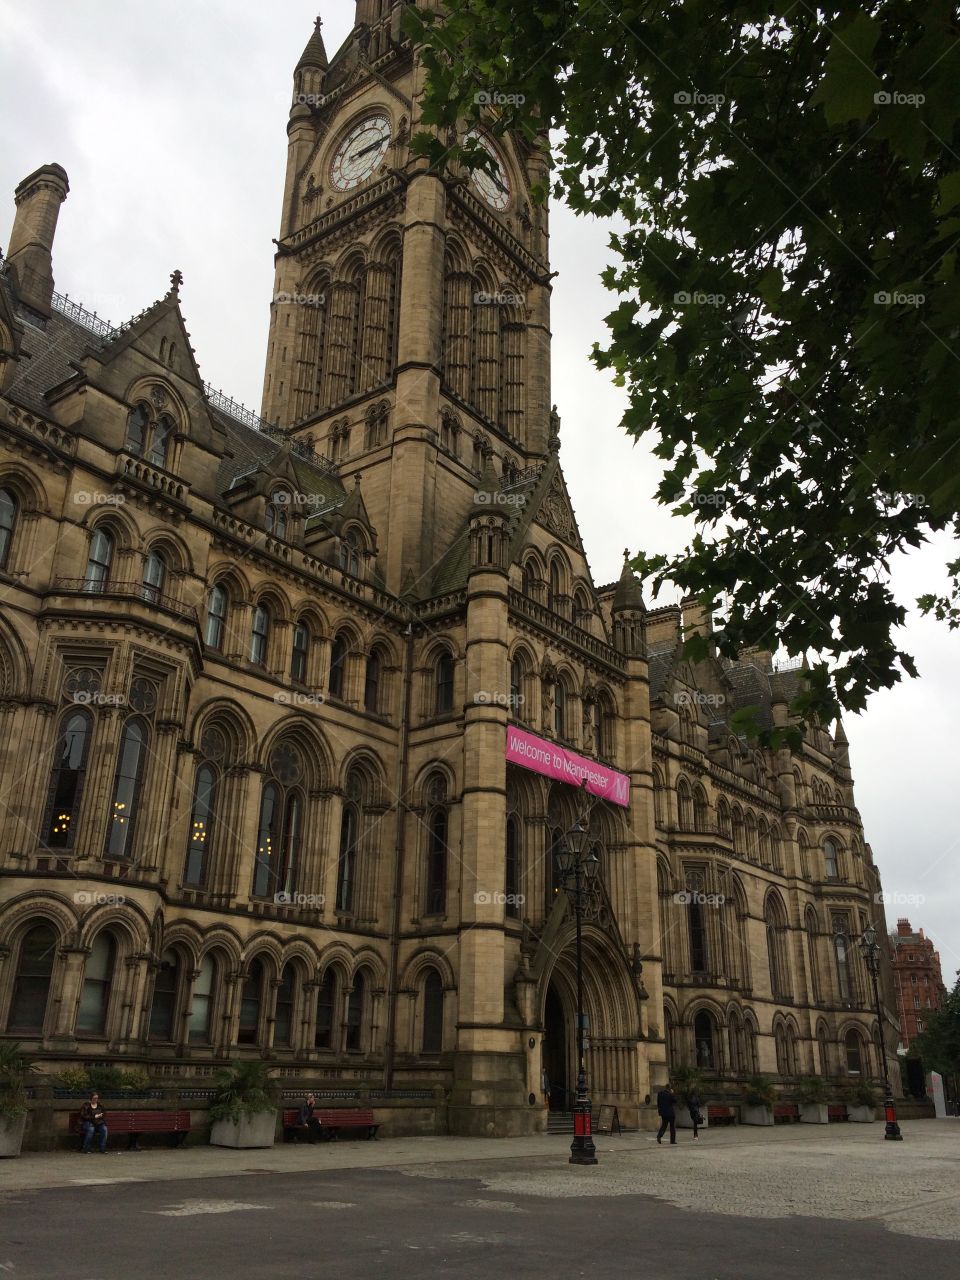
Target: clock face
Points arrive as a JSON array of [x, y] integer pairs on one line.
[[360, 153], [493, 187]]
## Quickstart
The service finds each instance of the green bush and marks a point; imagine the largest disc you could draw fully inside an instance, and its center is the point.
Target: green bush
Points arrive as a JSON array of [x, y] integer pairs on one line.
[[759, 1092], [241, 1090], [15, 1066], [865, 1095], [135, 1080], [686, 1080], [73, 1078], [812, 1090], [105, 1079]]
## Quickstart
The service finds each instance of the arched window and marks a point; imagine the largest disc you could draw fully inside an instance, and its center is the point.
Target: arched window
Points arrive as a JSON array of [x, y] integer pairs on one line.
[[776, 848], [780, 1045], [443, 683], [699, 962], [283, 1017], [844, 976], [437, 861], [751, 829], [338, 666], [154, 576], [739, 834], [776, 927], [127, 792], [659, 816], [66, 781], [276, 514], [350, 551], [684, 805], [137, 424], [738, 1049], [723, 817], [763, 837], [560, 709], [432, 1013], [160, 442], [8, 521], [31, 986], [823, 1050], [530, 580], [97, 978], [199, 1024], [346, 866], [512, 869], [518, 670], [281, 819], [704, 1041], [165, 989], [250, 1002], [260, 635], [556, 586], [853, 1048], [810, 923], [326, 1004], [355, 1003], [216, 617], [301, 653], [200, 838], [753, 1050], [803, 848], [371, 683], [98, 561], [830, 860]]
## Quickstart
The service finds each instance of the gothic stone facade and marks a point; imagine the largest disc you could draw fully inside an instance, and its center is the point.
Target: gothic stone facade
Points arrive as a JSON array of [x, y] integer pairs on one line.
[[256, 675]]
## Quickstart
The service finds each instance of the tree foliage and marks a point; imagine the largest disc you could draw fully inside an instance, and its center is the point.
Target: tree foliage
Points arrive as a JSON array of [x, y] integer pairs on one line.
[[785, 180], [939, 1042]]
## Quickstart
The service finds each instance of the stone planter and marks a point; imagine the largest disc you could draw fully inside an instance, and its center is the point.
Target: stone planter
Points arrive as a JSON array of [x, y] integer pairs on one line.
[[755, 1115], [814, 1113], [249, 1131], [11, 1136], [861, 1115]]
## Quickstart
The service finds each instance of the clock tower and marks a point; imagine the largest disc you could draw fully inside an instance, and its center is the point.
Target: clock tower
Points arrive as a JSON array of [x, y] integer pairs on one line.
[[409, 334]]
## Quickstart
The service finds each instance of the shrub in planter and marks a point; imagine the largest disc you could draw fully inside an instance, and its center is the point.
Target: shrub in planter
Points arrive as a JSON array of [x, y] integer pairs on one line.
[[242, 1113], [862, 1107], [813, 1094], [15, 1066], [73, 1080], [758, 1097]]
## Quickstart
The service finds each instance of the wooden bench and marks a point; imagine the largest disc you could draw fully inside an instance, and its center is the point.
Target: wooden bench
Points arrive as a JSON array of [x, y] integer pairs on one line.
[[836, 1112], [135, 1123], [786, 1113], [717, 1114], [331, 1122]]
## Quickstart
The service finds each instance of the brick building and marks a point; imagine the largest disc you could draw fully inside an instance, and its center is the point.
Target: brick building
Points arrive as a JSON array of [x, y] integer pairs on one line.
[[917, 978]]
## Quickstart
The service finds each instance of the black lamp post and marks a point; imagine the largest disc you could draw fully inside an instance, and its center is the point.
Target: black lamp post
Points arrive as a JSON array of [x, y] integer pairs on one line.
[[870, 948], [578, 870]]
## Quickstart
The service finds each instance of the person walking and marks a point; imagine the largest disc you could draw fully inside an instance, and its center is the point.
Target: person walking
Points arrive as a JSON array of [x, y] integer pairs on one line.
[[696, 1116], [93, 1120], [667, 1111]]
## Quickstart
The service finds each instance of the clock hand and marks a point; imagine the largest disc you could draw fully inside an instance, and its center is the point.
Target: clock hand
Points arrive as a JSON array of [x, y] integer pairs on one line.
[[373, 147]]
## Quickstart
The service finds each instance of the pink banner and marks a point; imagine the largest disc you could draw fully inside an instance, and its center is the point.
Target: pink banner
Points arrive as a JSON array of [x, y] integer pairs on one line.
[[531, 752]]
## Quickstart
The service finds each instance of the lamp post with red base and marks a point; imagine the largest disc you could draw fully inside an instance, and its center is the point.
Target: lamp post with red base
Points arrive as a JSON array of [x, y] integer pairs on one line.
[[578, 870], [871, 954]]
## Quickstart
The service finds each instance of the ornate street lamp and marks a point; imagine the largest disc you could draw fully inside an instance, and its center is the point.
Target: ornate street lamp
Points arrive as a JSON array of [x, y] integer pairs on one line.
[[578, 870], [870, 948]]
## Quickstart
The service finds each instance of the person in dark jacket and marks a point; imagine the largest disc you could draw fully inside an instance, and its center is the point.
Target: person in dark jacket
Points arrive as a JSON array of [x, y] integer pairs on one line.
[[93, 1120], [667, 1111], [693, 1106], [308, 1120]]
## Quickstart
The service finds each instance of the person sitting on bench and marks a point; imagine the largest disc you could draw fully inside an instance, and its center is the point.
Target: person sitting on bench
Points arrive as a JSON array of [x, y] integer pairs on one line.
[[93, 1120], [308, 1120]]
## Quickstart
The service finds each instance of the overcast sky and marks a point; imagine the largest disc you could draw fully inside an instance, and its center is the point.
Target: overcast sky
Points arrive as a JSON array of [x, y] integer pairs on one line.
[[170, 121]]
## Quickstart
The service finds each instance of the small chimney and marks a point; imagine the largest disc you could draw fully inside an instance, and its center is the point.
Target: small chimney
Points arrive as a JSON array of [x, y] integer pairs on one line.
[[30, 253]]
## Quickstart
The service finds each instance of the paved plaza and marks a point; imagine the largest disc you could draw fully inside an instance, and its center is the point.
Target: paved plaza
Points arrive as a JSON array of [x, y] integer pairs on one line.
[[742, 1204]]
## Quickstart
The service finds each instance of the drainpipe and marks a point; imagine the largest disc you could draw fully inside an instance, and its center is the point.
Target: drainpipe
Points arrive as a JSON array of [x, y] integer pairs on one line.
[[399, 857]]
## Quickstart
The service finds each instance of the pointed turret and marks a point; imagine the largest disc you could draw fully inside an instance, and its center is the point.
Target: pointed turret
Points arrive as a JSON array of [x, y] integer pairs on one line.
[[315, 53], [629, 592], [311, 71], [629, 613]]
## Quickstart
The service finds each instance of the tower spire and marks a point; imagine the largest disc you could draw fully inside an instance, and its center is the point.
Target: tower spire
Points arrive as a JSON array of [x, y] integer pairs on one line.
[[315, 53]]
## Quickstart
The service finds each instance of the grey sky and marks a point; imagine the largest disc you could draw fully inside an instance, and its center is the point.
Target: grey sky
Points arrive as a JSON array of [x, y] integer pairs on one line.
[[170, 121]]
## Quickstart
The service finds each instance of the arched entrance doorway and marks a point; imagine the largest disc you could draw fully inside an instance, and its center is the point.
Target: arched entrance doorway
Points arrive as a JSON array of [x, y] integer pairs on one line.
[[556, 1049]]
